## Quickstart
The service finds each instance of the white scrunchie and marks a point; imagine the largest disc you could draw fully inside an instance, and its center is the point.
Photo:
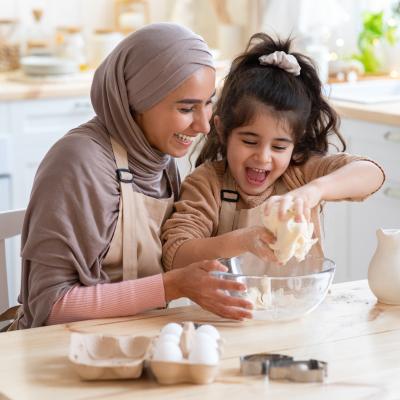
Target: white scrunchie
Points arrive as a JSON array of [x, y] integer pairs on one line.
[[282, 60]]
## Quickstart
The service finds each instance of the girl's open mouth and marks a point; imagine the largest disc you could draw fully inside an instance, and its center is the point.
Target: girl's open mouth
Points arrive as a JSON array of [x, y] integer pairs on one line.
[[256, 176]]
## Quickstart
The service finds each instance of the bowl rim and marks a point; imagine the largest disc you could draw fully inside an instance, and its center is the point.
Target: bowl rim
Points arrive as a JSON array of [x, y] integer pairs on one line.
[[329, 269]]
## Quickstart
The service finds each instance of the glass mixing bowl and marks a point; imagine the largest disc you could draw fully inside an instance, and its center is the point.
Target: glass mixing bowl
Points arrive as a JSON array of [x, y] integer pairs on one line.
[[280, 292]]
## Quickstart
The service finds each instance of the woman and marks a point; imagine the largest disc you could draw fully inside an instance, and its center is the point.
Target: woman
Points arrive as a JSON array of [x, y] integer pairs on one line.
[[90, 242]]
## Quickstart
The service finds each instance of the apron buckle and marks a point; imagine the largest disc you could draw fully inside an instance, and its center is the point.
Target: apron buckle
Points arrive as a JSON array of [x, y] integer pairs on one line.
[[231, 196], [124, 175]]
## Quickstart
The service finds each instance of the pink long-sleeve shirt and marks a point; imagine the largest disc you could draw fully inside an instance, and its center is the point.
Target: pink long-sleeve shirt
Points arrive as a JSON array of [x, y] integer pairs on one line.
[[106, 300]]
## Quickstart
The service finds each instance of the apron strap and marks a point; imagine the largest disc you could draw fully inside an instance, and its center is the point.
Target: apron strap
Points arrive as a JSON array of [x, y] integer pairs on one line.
[[127, 213], [229, 199]]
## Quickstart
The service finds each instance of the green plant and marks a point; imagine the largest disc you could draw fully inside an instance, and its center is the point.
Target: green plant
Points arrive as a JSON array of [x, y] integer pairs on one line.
[[375, 29]]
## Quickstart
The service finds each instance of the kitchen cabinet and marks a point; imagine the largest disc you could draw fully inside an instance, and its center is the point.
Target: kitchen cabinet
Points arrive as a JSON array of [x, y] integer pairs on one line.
[[350, 227], [33, 127]]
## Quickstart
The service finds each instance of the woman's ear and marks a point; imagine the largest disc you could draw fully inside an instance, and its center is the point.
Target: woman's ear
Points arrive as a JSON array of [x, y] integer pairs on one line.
[[219, 128]]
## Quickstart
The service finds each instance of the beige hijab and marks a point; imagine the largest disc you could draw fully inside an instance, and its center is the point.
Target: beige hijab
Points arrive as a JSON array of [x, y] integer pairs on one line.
[[74, 202]]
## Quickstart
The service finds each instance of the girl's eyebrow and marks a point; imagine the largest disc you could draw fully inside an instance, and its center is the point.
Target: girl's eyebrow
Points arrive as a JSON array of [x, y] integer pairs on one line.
[[249, 133], [194, 101]]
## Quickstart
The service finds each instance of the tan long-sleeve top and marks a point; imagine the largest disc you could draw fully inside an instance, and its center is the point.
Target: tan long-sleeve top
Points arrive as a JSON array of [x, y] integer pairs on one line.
[[196, 213]]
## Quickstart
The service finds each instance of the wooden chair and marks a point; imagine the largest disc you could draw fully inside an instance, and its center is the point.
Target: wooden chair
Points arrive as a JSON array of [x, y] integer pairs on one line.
[[10, 226]]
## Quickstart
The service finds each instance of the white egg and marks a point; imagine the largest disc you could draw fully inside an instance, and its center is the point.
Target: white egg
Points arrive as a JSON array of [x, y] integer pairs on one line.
[[209, 330], [201, 354], [172, 328], [167, 351], [169, 337], [203, 339]]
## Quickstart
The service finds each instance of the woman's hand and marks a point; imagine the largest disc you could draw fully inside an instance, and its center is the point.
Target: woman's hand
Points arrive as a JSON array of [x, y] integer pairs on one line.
[[195, 282], [301, 200]]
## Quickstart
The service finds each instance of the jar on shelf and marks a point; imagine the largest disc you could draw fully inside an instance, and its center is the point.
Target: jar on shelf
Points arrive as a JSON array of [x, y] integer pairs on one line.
[[71, 45], [39, 38], [9, 45], [130, 15], [100, 44]]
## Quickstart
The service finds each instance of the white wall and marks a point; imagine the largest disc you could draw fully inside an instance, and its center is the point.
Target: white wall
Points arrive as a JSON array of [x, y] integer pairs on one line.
[[88, 13], [275, 16], [299, 17], [93, 14]]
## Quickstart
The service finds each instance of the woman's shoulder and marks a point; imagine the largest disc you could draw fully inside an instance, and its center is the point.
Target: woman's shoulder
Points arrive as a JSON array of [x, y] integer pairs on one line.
[[80, 152], [81, 144], [77, 157]]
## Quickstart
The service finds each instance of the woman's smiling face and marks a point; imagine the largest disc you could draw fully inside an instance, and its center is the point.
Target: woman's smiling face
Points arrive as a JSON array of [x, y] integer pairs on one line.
[[259, 152], [172, 125]]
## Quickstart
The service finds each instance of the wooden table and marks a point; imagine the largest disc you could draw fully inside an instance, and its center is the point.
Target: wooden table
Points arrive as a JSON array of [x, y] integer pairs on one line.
[[358, 337]]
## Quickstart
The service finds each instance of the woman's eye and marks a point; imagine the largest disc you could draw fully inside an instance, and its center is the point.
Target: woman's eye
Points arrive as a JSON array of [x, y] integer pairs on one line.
[[185, 110]]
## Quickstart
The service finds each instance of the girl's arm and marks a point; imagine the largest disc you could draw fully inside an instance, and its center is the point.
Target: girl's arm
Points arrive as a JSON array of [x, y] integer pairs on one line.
[[252, 239], [353, 181], [189, 235]]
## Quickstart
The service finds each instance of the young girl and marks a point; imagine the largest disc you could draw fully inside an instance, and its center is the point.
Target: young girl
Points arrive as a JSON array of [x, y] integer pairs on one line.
[[267, 147]]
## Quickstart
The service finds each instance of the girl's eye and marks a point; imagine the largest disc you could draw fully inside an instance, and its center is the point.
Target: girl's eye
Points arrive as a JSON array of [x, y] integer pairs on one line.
[[281, 148], [249, 142]]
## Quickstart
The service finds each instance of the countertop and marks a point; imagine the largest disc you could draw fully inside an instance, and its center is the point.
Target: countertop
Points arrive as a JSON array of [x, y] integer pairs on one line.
[[25, 89], [381, 113], [20, 88], [358, 337]]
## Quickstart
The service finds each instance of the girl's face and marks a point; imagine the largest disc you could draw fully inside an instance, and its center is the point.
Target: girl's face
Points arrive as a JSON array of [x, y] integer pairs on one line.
[[259, 152], [172, 125]]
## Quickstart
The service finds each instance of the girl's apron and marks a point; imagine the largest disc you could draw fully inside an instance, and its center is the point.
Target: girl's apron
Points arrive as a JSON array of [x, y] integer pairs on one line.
[[135, 249]]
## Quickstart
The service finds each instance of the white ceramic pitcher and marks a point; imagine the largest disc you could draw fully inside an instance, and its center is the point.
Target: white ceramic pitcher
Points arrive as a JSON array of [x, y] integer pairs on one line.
[[384, 268]]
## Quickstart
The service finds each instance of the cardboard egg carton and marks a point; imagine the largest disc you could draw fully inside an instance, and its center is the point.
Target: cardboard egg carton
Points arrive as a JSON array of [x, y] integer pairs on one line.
[[100, 357], [97, 357]]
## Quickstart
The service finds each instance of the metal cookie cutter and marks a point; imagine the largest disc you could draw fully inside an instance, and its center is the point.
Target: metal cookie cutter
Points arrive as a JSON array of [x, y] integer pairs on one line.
[[259, 364], [299, 371], [279, 366]]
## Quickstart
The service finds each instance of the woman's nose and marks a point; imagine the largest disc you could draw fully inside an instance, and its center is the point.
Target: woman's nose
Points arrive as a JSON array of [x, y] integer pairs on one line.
[[201, 122]]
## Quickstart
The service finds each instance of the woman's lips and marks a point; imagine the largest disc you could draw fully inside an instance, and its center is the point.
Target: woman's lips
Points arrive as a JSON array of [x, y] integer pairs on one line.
[[184, 140]]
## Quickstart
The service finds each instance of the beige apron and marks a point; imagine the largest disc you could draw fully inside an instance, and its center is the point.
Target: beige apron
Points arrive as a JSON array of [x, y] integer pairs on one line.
[[230, 218], [135, 249]]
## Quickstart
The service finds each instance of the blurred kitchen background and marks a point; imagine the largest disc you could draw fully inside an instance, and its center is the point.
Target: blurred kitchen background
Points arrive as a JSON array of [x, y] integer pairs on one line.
[[49, 49]]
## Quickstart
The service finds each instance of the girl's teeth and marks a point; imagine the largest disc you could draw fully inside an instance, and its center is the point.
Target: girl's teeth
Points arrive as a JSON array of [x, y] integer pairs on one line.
[[256, 174]]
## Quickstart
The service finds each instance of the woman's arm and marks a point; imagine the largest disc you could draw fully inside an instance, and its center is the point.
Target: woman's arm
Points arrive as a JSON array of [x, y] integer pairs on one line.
[[108, 300], [131, 297], [196, 283]]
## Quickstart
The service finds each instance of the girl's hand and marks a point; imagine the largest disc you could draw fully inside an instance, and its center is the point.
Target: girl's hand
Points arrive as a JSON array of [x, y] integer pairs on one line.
[[196, 283], [256, 240], [301, 200]]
